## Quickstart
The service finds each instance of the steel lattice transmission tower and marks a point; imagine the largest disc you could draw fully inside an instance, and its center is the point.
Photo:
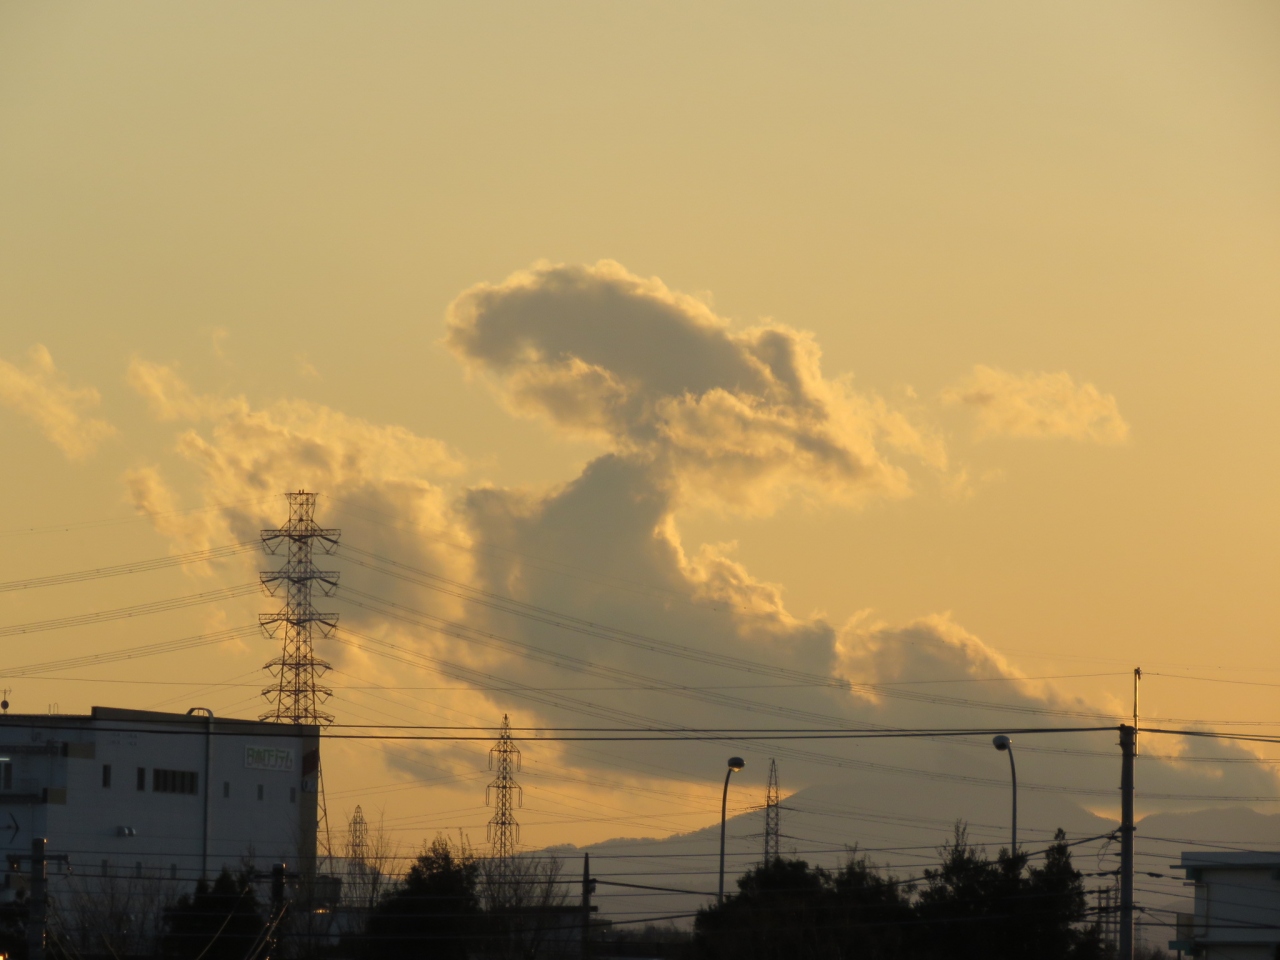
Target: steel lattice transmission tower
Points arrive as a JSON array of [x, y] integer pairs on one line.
[[505, 794], [357, 839], [297, 696], [772, 817]]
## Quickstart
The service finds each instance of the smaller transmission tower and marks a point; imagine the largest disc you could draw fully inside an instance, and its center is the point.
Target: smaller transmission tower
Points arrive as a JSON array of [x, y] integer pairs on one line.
[[505, 794], [772, 817], [357, 840]]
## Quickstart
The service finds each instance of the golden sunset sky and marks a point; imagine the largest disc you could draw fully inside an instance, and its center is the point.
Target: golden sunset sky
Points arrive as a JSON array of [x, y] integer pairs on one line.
[[928, 344]]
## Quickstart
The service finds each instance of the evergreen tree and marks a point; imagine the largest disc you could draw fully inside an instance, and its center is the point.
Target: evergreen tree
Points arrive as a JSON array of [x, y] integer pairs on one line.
[[969, 908], [787, 910], [216, 923], [433, 914], [974, 908]]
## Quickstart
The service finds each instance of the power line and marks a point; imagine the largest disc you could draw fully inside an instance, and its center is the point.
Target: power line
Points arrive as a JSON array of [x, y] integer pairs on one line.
[[509, 605], [135, 518], [130, 653], [136, 610], [120, 569]]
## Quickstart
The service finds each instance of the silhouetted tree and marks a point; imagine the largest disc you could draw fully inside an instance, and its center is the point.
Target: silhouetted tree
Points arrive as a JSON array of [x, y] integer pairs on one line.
[[974, 908], [433, 913], [216, 923], [969, 908], [787, 910], [524, 900]]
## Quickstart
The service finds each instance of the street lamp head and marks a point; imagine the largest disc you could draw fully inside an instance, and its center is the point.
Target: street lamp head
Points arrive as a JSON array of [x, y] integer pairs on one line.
[[736, 764], [1001, 742]]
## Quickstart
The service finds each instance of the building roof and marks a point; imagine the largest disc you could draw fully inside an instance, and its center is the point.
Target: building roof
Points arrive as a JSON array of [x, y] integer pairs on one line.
[[1230, 860], [196, 716]]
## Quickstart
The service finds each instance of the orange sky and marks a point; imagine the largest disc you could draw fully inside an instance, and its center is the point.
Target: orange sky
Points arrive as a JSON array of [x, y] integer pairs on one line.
[[888, 343]]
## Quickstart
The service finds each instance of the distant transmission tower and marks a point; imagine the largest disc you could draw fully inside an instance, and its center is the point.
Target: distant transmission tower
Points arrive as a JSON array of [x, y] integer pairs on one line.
[[772, 817], [357, 839], [297, 696], [505, 793]]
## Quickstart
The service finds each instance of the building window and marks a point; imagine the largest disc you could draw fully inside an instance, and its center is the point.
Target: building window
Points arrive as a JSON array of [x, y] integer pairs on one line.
[[137, 869], [6, 775], [259, 791], [173, 871], [142, 778], [106, 868], [106, 775], [226, 789], [174, 781], [293, 794]]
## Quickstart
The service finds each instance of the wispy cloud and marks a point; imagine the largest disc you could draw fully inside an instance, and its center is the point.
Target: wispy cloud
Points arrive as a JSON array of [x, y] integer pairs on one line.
[[1039, 405], [41, 393], [169, 397]]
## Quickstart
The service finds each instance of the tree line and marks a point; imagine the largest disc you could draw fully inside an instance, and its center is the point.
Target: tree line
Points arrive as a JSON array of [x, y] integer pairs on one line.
[[452, 905], [970, 907]]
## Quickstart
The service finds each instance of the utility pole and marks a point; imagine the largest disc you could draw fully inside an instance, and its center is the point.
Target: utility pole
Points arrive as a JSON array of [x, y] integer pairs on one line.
[[37, 919], [296, 696], [277, 908], [772, 817], [588, 888], [1128, 740]]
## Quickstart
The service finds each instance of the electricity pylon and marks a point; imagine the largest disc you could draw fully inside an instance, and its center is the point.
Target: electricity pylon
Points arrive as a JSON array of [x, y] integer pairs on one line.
[[357, 839], [772, 817], [297, 696], [505, 794]]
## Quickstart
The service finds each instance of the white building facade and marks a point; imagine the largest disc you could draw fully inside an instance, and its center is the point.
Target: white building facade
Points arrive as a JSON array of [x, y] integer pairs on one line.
[[146, 795], [1237, 906]]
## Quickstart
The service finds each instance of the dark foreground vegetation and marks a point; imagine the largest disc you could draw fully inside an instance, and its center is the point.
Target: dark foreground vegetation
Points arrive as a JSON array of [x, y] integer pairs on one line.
[[451, 905], [970, 907]]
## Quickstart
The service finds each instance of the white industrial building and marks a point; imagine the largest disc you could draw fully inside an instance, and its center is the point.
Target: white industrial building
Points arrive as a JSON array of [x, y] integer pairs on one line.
[[157, 796], [1237, 906]]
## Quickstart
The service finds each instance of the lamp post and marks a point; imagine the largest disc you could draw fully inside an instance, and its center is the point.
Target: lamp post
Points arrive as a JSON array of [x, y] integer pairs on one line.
[[735, 764], [1001, 742]]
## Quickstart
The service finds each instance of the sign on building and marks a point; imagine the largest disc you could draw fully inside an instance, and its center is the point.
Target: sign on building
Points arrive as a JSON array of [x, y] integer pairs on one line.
[[268, 758]]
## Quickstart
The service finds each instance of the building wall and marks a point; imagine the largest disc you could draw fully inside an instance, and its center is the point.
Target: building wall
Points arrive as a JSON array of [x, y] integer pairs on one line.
[[1240, 952], [1237, 905], [254, 778]]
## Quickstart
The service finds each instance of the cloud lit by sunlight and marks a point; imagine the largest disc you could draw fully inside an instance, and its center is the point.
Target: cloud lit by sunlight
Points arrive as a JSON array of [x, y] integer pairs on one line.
[[43, 395], [1039, 405]]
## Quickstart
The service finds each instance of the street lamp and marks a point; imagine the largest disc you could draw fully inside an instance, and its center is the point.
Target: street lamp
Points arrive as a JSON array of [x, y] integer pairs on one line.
[[1001, 742], [735, 764]]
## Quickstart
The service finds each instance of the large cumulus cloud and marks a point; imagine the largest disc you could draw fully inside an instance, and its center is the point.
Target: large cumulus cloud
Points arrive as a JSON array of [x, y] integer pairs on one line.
[[582, 602], [736, 415]]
